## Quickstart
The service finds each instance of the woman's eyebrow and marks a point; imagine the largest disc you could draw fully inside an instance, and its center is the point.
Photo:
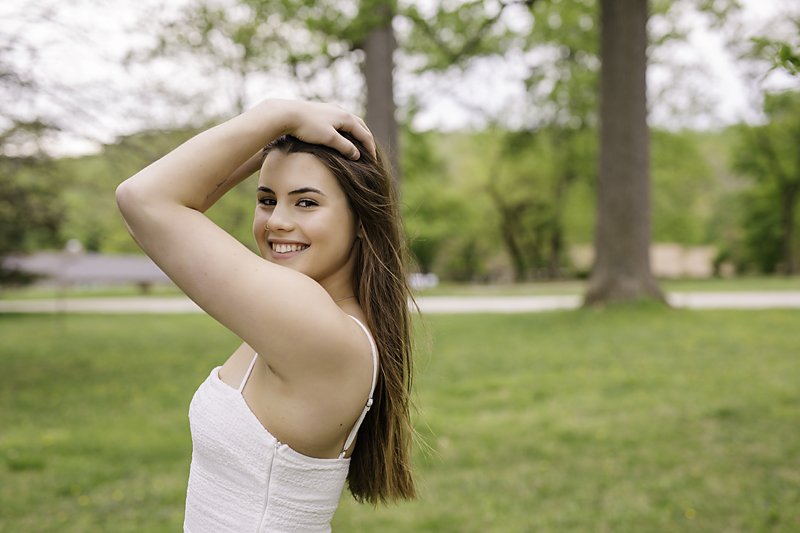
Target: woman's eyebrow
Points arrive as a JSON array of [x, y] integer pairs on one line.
[[302, 190]]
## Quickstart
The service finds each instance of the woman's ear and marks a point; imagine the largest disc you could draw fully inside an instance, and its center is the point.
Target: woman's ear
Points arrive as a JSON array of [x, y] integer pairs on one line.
[[360, 231]]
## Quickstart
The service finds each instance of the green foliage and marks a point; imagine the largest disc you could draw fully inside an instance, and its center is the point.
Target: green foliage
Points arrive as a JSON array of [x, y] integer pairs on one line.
[[555, 153], [563, 84], [528, 184], [768, 154], [682, 188], [446, 221], [782, 54], [636, 419], [89, 183], [762, 236], [458, 188], [789, 58], [31, 206], [249, 38], [425, 200], [496, 186], [528, 175], [456, 33], [471, 201]]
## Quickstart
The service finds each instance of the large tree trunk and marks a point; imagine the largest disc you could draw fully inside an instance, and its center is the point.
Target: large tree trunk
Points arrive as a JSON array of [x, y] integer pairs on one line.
[[379, 47], [622, 236]]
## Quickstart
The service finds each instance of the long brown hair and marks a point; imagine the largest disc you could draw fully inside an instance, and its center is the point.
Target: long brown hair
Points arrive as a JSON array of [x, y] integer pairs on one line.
[[380, 467]]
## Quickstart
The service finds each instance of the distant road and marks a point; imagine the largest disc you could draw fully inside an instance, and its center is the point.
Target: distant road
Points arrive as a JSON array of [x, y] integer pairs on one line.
[[428, 304]]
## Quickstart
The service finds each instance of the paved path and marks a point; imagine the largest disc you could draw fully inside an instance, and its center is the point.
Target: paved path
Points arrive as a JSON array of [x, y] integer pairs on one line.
[[428, 304]]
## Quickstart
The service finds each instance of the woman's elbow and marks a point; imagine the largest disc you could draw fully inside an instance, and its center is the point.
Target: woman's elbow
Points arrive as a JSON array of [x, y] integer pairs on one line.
[[132, 200], [124, 195]]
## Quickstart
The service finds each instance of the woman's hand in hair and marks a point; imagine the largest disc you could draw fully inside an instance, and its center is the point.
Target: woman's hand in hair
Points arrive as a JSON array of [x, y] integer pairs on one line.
[[320, 123]]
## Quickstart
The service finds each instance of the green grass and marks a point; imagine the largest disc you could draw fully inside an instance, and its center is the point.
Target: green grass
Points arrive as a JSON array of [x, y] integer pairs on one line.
[[631, 419], [545, 288], [102, 291], [541, 288]]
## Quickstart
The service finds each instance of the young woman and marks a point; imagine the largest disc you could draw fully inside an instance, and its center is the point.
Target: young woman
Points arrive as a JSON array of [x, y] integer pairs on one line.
[[318, 391]]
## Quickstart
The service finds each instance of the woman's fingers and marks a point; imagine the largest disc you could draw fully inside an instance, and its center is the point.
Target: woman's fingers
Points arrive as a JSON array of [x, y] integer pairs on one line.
[[358, 128], [343, 146], [368, 138], [319, 123]]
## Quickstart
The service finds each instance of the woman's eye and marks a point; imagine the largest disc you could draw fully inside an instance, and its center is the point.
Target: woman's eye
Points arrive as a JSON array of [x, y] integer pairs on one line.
[[267, 201], [306, 203]]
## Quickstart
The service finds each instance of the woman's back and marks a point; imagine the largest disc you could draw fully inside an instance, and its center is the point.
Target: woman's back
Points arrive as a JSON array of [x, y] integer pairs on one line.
[[243, 479]]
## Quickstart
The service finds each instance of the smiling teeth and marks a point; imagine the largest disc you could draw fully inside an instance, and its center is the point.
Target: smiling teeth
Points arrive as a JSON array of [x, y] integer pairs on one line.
[[286, 248]]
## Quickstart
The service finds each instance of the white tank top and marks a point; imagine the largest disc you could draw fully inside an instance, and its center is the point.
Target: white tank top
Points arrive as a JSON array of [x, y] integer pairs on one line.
[[242, 479]]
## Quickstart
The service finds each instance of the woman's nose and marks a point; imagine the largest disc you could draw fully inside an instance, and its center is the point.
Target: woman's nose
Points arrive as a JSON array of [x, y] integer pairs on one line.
[[280, 220]]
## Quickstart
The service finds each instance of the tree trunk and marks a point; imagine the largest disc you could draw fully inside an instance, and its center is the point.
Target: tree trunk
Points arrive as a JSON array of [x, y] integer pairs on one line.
[[622, 236], [379, 46], [789, 202], [556, 224], [518, 262], [508, 229]]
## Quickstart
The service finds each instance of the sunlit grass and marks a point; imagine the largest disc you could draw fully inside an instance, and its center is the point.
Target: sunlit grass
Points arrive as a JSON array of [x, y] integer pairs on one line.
[[630, 419]]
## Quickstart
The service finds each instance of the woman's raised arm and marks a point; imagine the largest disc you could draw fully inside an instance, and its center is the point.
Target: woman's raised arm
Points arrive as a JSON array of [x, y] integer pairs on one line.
[[163, 207], [194, 171]]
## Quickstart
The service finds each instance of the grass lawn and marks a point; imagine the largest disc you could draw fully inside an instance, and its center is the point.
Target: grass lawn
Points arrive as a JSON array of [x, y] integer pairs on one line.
[[36, 292], [540, 288], [634, 419], [546, 288]]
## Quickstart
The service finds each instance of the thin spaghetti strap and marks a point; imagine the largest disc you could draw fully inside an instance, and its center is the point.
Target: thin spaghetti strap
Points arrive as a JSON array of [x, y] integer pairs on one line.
[[247, 374], [374, 354], [353, 432]]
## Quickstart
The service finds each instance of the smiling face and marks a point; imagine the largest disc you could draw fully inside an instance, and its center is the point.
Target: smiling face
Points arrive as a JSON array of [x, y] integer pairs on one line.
[[312, 228]]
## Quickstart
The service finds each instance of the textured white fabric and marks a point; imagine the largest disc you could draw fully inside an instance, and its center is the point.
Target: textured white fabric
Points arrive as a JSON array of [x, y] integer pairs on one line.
[[242, 479]]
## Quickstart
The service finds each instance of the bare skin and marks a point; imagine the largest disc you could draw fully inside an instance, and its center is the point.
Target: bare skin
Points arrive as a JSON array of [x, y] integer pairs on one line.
[[314, 369]]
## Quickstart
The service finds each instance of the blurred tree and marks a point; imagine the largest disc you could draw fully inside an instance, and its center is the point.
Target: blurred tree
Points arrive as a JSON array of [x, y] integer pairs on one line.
[[22, 126], [560, 61], [91, 215], [448, 35], [249, 38], [623, 229], [439, 222], [379, 45], [525, 188], [560, 53], [427, 212], [683, 187], [622, 237], [309, 40], [90, 182], [782, 54], [563, 92], [30, 212], [769, 153], [528, 181]]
